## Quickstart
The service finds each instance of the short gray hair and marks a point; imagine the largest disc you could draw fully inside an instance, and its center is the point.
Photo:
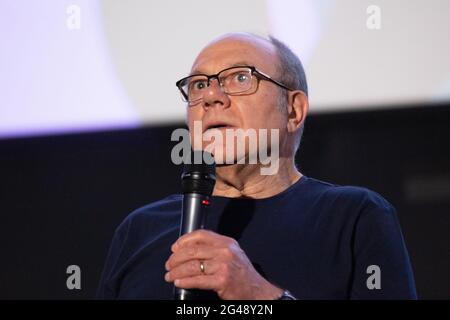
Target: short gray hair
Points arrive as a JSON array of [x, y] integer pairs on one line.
[[291, 74]]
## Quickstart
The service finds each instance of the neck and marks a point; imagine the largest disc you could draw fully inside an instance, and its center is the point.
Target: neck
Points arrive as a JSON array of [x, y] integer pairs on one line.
[[246, 181]]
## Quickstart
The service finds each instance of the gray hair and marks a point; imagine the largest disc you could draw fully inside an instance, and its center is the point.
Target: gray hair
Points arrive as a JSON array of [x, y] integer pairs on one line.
[[292, 75]]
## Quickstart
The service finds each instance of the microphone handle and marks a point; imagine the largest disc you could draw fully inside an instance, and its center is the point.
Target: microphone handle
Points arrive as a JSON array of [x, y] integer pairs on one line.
[[193, 210], [193, 218]]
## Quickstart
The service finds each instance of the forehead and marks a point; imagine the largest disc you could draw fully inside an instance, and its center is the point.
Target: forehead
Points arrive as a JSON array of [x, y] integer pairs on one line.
[[237, 49]]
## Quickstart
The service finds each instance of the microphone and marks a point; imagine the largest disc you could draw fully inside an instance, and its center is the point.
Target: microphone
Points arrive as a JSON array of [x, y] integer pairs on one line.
[[197, 184]]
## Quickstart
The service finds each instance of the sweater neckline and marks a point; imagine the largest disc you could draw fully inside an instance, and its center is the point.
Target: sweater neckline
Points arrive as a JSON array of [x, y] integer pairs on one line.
[[280, 195]]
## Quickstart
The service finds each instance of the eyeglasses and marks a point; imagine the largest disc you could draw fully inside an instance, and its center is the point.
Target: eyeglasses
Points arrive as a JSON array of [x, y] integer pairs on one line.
[[233, 81]]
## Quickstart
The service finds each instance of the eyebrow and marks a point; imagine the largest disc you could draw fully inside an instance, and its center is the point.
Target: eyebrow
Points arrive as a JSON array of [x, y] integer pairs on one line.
[[236, 64]]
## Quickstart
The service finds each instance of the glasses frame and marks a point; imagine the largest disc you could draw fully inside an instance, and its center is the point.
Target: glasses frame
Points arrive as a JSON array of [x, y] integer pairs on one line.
[[254, 72]]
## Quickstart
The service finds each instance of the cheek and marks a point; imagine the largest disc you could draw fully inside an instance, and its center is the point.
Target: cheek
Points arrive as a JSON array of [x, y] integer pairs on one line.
[[263, 113]]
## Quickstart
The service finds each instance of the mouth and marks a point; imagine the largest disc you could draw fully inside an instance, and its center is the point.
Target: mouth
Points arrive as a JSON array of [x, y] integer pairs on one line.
[[218, 126]]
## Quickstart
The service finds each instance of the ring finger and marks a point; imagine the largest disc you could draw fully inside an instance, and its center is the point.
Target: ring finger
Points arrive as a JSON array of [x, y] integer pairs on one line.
[[191, 268]]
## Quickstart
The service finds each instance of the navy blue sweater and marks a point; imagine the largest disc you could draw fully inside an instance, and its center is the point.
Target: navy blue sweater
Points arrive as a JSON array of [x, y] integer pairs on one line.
[[316, 239]]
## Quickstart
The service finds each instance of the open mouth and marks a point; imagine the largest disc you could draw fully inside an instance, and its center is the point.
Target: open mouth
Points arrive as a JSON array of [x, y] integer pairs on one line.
[[218, 126]]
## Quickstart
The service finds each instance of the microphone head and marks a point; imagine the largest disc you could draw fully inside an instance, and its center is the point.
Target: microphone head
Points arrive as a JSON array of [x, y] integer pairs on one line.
[[200, 175]]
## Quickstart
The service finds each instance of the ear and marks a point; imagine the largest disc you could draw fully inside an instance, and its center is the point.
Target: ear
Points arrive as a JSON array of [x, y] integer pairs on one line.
[[298, 106]]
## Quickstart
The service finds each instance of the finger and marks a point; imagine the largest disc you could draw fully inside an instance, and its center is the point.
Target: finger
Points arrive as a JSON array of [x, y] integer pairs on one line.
[[204, 282], [195, 252], [190, 269], [199, 237]]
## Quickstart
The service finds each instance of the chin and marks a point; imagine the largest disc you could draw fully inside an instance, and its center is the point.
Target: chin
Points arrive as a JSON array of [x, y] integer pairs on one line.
[[223, 156]]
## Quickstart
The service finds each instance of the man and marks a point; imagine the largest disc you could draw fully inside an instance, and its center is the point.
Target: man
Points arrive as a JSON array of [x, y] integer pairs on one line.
[[275, 236]]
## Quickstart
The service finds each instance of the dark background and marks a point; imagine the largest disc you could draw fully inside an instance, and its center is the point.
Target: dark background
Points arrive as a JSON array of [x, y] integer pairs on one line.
[[62, 196]]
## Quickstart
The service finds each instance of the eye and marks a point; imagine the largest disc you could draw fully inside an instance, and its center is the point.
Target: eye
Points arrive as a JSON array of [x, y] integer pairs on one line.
[[198, 85], [241, 77]]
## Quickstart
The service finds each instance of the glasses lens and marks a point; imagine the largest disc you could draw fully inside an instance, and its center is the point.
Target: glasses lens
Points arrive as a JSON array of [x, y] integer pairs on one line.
[[194, 87], [236, 80]]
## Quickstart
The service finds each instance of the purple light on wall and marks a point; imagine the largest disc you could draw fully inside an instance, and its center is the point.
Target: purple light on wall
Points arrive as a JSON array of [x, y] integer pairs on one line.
[[55, 79]]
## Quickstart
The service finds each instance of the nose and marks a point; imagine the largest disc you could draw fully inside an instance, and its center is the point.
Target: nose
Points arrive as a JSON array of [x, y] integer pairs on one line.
[[214, 96]]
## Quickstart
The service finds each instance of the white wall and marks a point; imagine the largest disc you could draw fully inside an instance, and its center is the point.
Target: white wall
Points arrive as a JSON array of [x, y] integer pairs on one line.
[[119, 68]]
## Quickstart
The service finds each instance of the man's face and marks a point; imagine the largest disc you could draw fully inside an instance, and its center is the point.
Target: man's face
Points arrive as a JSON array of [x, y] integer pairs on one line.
[[257, 110]]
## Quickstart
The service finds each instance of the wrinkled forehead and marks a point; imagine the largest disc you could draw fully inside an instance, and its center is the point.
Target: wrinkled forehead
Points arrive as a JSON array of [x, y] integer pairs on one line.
[[236, 49]]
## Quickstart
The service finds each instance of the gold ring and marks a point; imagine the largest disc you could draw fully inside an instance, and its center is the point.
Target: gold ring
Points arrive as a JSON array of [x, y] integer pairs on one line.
[[202, 267]]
